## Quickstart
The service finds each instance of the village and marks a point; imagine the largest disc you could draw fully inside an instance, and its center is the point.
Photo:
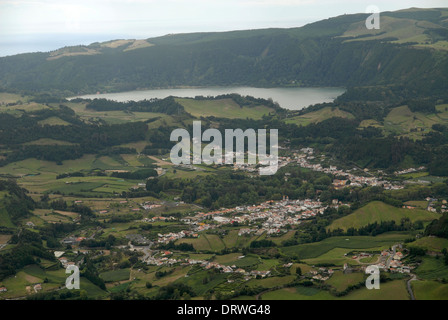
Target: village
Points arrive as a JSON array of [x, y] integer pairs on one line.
[[272, 218]]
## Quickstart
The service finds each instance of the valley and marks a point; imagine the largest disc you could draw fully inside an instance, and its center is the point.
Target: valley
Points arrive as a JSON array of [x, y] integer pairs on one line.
[[86, 180]]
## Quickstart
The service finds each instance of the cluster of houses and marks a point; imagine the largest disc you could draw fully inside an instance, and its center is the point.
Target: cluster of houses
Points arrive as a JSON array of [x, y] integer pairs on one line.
[[432, 205], [306, 155], [392, 261], [396, 264], [276, 216], [207, 265], [72, 241], [172, 236], [138, 239], [410, 170], [321, 274], [150, 206], [155, 219]]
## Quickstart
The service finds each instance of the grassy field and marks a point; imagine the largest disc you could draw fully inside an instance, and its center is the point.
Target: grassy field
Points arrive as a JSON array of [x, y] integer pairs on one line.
[[22, 283], [205, 242], [402, 121], [432, 269], [334, 256], [113, 117], [298, 293], [224, 108], [53, 121], [270, 282], [392, 290], [430, 243], [418, 204], [48, 142], [370, 123], [115, 275], [6, 98], [378, 211], [341, 281], [196, 281], [430, 290], [319, 116], [5, 220], [315, 250], [40, 176]]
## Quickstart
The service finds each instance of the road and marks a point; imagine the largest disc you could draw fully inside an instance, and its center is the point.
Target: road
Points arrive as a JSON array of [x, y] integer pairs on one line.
[[411, 293], [389, 260]]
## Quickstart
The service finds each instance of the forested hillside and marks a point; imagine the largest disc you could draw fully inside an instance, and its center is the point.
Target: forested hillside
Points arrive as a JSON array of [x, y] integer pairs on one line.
[[333, 52]]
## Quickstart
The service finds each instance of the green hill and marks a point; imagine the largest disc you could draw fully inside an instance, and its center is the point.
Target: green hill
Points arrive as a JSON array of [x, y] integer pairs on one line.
[[430, 243], [377, 212], [336, 51], [319, 116], [5, 220]]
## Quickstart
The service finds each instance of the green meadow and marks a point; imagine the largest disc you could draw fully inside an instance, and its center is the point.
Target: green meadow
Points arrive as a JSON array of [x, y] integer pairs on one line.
[[224, 108], [377, 212], [432, 269], [430, 244], [319, 116], [430, 290], [316, 249]]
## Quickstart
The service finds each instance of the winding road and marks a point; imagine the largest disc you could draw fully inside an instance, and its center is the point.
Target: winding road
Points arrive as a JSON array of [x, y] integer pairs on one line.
[[411, 293]]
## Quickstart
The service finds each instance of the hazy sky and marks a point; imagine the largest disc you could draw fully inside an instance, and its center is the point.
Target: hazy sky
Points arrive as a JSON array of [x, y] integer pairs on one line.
[[43, 25]]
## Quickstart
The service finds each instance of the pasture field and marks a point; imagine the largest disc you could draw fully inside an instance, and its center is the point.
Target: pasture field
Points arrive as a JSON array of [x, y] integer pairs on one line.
[[50, 216], [430, 243], [201, 286], [287, 236], [224, 108], [334, 256], [377, 212], [372, 259], [314, 250], [5, 220], [39, 176], [430, 290], [341, 281], [4, 238], [418, 204], [270, 282], [112, 117], [227, 259], [391, 290], [22, 284], [115, 275], [48, 142], [267, 264], [403, 30], [432, 269], [53, 121], [298, 293], [205, 242], [319, 116], [402, 121], [370, 123], [6, 98]]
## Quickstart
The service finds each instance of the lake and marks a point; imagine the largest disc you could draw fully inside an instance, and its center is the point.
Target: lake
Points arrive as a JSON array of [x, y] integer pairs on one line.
[[288, 98]]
